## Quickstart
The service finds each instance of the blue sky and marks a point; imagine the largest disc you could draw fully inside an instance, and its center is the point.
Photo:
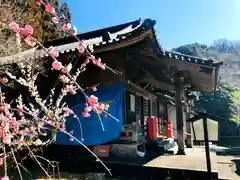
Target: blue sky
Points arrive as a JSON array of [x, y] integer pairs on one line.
[[179, 22]]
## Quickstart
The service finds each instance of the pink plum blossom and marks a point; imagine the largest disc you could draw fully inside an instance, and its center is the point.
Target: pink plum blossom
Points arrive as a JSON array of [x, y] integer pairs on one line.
[[72, 32], [99, 107], [27, 30], [85, 114], [30, 41], [14, 27], [65, 27], [102, 66], [67, 111], [52, 51], [61, 127], [87, 109], [6, 140], [69, 26], [55, 20], [92, 100], [70, 89], [27, 130], [50, 122], [94, 88], [98, 63], [49, 8], [38, 3], [20, 109], [64, 79], [87, 60], [56, 65], [5, 178], [81, 46]]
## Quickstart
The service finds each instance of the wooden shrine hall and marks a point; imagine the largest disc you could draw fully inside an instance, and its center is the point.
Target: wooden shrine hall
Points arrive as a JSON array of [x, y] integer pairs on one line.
[[150, 73]]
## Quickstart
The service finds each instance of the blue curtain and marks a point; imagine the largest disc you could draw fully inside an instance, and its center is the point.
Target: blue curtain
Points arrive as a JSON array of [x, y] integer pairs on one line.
[[93, 133]]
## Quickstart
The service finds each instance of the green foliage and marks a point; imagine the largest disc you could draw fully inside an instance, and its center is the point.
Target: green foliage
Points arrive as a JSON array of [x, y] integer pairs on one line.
[[225, 103], [218, 103], [235, 106], [235, 119], [235, 96]]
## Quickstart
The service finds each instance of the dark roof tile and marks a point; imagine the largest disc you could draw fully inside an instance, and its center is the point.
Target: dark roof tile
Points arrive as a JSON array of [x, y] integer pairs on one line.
[[115, 35]]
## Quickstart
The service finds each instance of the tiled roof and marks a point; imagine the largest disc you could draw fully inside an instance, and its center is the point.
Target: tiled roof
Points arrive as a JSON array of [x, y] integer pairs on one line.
[[96, 38], [107, 36], [190, 59], [121, 32]]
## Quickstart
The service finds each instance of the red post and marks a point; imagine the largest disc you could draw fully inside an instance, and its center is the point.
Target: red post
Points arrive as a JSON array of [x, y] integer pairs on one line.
[[152, 128], [169, 129]]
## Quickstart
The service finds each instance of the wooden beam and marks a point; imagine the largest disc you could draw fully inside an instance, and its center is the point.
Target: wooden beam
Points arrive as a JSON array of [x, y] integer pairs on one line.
[[209, 116], [161, 92], [150, 108], [158, 84], [138, 90]]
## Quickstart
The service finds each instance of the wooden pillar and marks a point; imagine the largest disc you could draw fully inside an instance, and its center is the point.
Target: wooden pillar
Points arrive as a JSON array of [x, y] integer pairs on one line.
[[150, 107], [179, 115], [158, 110], [207, 151], [189, 140], [142, 115]]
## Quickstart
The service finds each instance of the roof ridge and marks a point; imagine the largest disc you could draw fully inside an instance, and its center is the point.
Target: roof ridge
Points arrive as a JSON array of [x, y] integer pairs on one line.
[[94, 33]]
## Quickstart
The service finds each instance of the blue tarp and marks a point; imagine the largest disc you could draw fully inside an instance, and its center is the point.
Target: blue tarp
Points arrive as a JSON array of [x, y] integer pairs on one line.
[[93, 133]]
